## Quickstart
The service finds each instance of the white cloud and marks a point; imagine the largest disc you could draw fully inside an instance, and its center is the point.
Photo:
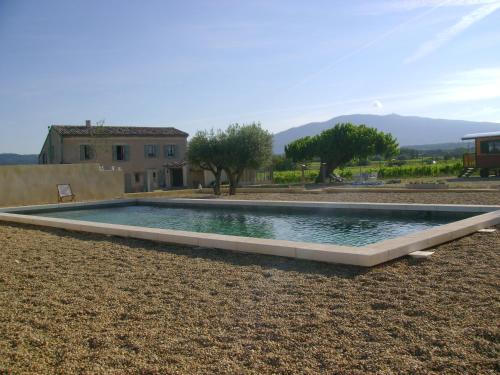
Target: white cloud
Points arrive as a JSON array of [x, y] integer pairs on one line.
[[375, 7], [465, 22], [471, 85]]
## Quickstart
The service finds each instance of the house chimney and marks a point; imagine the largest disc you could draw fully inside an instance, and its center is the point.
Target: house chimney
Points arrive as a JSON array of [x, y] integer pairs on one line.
[[88, 123]]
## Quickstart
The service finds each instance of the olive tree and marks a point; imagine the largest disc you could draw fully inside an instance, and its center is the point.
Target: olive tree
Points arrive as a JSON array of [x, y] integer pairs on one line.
[[206, 150], [245, 147]]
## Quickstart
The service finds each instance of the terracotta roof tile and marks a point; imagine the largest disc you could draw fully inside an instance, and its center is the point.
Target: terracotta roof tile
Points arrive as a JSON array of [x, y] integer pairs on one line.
[[118, 131]]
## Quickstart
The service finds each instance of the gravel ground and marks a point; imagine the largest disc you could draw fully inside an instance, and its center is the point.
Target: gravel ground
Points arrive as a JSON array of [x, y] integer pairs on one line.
[[84, 303], [387, 197]]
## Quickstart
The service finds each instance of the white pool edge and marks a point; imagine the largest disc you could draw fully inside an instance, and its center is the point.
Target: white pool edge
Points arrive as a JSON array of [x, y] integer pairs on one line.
[[367, 256]]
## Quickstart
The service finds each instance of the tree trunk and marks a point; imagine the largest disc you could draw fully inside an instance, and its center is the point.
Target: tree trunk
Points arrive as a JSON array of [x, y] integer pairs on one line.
[[330, 166], [216, 186], [234, 178], [232, 184], [322, 171], [327, 169]]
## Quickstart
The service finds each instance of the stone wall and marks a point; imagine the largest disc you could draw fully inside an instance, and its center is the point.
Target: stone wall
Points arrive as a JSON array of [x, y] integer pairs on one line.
[[36, 184]]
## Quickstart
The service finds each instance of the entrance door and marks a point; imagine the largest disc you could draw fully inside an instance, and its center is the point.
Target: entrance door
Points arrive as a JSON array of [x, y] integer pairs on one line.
[[177, 179], [128, 183]]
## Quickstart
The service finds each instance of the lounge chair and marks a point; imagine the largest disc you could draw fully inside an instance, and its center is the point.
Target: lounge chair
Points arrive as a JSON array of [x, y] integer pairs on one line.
[[64, 191]]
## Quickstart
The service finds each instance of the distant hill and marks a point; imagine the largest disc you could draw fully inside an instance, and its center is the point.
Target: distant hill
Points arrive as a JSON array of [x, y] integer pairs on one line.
[[409, 130], [13, 159]]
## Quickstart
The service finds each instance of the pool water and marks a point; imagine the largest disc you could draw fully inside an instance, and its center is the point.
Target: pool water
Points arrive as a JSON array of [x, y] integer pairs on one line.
[[331, 226]]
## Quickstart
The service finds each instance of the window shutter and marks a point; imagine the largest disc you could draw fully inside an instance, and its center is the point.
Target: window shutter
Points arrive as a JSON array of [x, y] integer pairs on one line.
[[82, 152], [145, 151], [114, 153], [127, 152], [174, 150], [165, 151], [157, 151]]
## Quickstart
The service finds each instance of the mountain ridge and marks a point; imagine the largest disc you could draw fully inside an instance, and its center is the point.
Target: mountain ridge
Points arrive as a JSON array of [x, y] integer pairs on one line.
[[18, 159], [409, 130]]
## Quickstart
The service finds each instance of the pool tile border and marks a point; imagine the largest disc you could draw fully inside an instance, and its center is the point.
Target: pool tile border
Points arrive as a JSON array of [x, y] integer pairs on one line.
[[367, 256]]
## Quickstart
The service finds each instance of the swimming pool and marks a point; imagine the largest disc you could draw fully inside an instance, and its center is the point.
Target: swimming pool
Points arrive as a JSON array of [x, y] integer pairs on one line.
[[364, 234], [302, 224]]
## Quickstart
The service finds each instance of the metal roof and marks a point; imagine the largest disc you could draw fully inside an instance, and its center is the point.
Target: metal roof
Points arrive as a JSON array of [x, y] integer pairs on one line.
[[117, 131], [481, 135]]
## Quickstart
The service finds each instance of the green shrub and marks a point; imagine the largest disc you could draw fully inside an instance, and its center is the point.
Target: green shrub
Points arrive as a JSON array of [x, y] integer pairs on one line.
[[281, 163], [345, 173], [290, 177]]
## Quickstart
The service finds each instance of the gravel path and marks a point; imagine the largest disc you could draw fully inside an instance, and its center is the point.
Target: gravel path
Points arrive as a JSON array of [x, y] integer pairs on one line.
[[84, 303]]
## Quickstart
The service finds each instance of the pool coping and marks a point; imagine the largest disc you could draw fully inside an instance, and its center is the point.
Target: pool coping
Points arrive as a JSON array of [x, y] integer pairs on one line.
[[369, 255]]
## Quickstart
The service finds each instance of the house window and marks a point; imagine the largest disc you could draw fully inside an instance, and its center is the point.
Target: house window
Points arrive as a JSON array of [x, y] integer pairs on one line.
[[170, 151], [121, 152], [150, 151], [490, 147], [137, 177], [86, 152]]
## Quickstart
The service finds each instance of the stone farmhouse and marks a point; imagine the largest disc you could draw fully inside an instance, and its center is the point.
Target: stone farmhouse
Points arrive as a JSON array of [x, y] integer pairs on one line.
[[150, 157]]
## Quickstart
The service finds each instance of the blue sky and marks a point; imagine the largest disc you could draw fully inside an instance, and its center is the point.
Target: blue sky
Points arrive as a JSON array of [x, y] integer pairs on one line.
[[202, 64]]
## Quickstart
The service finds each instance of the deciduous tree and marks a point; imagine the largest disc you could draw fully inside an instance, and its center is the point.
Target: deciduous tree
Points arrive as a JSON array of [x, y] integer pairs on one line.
[[339, 145]]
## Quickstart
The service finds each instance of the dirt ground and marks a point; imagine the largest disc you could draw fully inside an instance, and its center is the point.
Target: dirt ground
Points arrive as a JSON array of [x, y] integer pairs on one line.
[[85, 303]]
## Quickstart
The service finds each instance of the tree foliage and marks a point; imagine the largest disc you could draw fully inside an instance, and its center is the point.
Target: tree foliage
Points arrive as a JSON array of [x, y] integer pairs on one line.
[[339, 145], [247, 147], [301, 150], [206, 150], [237, 148]]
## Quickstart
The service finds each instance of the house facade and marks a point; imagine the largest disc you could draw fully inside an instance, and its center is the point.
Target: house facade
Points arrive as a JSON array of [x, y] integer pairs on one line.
[[150, 157], [486, 155]]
